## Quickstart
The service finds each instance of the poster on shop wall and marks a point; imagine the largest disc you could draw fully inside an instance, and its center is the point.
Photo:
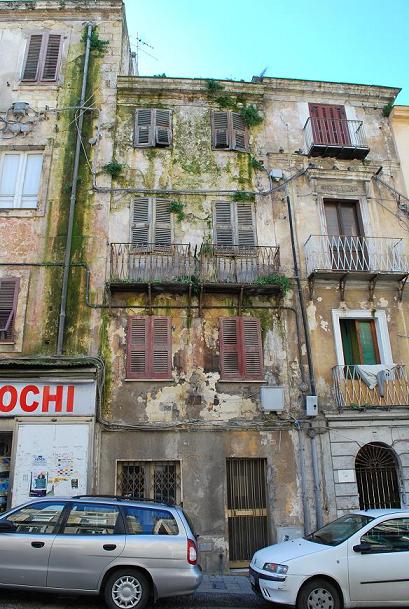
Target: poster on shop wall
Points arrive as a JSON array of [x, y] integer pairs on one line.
[[51, 461]]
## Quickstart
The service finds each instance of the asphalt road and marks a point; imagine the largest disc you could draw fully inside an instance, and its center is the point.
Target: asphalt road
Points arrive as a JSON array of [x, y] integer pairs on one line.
[[199, 600]]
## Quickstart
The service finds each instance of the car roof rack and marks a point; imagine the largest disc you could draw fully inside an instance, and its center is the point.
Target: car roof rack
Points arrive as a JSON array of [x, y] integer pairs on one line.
[[125, 498]]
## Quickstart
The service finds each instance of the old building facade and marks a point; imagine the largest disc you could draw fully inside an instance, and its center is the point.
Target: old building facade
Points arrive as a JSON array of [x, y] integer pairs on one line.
[[239, 249]]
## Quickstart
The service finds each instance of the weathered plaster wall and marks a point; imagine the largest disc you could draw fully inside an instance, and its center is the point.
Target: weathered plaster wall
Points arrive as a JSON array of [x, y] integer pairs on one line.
[[399, 119]]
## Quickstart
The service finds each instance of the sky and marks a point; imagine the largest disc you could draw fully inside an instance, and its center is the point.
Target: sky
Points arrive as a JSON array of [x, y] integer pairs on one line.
[[357, 41]]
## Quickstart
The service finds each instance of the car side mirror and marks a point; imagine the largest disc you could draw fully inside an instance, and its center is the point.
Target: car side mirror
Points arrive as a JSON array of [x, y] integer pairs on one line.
[[363, 548], [6, 526]]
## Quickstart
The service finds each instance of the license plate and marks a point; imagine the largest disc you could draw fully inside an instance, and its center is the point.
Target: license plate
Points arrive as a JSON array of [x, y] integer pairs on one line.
[[252, 580]]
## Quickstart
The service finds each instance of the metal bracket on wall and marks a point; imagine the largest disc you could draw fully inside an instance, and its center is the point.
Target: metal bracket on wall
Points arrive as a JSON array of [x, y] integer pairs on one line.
[[311, 282], [342, 283], [149, 294], [240, 301], [401, 287], [371, 287]]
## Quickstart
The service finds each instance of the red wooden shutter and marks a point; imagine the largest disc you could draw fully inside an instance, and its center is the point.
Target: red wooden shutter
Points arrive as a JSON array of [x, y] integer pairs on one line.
[[143, 133], [230, 361], [8, 306], [163, 131], [52, 54], [220, 130], [30, 72], [137, 341], [252, 348], [161, 348], [239, 132], [329, 124]]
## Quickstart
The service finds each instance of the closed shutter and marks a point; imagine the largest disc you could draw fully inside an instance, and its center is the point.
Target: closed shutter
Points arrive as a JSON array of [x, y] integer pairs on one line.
[[252, 348], [31, 66], [163, 131], [329, 124], [140, 222], [52, 54], [220, 129], [8, 306], [239, 132], [162, 227], [161, 348], [245, 225], [223, 224], [137, 341], [143, 133], [230, 365]]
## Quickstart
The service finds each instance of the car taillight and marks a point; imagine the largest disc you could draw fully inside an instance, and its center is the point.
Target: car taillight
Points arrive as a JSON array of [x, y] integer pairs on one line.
[[191, 552]]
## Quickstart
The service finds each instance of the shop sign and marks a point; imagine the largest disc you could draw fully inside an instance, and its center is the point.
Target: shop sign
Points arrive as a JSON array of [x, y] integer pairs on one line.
[[22, 398]]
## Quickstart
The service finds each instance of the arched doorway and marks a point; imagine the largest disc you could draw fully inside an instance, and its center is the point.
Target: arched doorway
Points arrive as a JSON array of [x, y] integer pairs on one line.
[[377, 477]]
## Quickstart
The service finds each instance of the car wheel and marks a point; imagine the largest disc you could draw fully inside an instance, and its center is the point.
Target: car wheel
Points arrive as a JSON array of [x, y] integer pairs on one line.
[[127, 589], [319, 594]]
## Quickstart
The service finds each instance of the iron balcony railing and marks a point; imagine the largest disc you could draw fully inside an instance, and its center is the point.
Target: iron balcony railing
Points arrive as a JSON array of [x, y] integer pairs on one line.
[[338, 133], [352, 392], [364, 254], [151, 263], [238, 264]]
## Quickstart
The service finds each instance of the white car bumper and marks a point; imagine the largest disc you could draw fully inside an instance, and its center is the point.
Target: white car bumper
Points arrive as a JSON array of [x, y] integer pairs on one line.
[[283, 591]]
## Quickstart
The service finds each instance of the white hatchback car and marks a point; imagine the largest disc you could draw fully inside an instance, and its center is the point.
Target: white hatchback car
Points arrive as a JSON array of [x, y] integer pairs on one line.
[[359, 560]]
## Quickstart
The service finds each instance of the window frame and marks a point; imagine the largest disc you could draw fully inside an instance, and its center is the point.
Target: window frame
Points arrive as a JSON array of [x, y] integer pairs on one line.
[[119, 528], [39, 80], [384, 549], [21, 175], [57, 524], [374, 336], [150, 465], [240, 348], [148, 373]]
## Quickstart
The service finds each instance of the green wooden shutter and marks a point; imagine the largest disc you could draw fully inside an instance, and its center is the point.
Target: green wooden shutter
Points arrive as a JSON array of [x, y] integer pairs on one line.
[[366, 338]]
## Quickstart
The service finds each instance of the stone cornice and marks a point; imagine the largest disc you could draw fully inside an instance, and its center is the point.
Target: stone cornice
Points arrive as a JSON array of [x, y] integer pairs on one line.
[[400, 113], [145, 85], [51, 8]]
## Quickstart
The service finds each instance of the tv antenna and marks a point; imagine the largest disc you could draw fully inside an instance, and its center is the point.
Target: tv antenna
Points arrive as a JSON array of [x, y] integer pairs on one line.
[[140, 44]]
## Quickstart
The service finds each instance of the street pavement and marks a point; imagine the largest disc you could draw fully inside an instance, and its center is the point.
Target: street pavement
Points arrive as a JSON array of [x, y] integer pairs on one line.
[[215, 592]]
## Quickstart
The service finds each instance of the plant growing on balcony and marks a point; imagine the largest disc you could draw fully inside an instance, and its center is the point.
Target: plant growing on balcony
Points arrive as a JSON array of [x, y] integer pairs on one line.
[[177, 208], [281, 281], [114, 169], [192, 280]]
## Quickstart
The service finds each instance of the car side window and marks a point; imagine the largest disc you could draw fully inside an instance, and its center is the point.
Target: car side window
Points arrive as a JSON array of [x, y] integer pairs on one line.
[[41, 518], [92, 519], [148, 521], [389, 536]]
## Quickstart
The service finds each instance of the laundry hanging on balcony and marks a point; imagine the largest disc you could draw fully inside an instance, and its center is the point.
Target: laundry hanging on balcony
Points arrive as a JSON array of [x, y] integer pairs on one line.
[[375, 375]]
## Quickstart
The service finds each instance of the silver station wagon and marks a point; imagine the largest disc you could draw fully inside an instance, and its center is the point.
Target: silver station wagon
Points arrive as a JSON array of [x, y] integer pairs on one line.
[[133, 552]]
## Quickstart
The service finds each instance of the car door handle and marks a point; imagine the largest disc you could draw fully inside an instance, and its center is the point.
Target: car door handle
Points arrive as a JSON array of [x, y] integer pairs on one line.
[[109, 547], [38, 544]]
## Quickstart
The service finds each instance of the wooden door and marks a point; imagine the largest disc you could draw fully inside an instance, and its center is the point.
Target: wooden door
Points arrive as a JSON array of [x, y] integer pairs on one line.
[[347, 245]]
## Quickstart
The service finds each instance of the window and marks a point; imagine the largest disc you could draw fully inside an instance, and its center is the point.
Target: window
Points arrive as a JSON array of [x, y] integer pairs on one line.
[[376, 470], [359, 341], [329, 124], [8, 305], [233, 224], [149, 348], [42, 58], [153, 128], [229, 131], [151, 222], [41, 518], [20, 174], [92, 519], [156, 480], [389, 536], [241, 351], [144, 521]]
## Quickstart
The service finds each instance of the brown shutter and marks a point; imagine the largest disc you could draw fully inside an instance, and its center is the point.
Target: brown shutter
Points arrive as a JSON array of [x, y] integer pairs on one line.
[[8, 305], [140, 222], [163, 227], [245, 227], [220, 130], [223, 224], [30, 72], [52, 55], [161, 348], [329, 124], [137, 341], [252, 348], [143, 133], [230, 361], [239, 132], [163, 131]]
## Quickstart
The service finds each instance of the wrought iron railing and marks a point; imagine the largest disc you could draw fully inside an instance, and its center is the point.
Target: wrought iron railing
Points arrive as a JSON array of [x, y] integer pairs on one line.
[[341, 253], [334, 132], [351, 391], [238, 264], [151, 263]]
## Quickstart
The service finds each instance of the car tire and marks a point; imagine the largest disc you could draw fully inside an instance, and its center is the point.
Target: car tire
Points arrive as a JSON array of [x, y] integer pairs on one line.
[[319, 594], [125, 586]]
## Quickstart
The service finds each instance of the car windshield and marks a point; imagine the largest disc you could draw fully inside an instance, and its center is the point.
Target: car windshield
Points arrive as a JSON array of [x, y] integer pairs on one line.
[[338, 531]]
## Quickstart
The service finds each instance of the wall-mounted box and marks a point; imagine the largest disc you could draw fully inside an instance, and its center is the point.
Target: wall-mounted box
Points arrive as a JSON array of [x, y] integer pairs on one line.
[[272, 398]]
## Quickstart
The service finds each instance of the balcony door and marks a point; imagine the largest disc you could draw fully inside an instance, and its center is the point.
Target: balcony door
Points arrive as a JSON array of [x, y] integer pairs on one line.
[[347, 246], [329, 125], [359, 342]]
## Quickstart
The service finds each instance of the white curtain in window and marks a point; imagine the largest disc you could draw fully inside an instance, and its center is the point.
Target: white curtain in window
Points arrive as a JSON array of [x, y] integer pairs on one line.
[[8, 179], [31, 183], [20, 175]]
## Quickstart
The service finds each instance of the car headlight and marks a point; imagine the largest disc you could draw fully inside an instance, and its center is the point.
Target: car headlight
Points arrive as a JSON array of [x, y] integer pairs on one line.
[[275, 568]]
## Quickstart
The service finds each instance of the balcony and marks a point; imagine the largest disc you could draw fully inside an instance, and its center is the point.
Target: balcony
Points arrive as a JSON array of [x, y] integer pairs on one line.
[[352, 392], [330, 137]]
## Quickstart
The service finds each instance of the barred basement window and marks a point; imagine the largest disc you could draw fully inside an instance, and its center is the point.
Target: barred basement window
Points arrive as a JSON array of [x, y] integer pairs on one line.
[[156, 480]]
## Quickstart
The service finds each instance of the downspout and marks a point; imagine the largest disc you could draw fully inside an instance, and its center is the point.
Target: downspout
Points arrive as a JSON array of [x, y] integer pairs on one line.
[[73, 198], [312, 434]]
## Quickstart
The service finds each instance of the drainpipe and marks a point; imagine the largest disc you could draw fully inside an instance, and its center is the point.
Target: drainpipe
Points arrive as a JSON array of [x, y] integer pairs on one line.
[[312, 435], [73, 199]]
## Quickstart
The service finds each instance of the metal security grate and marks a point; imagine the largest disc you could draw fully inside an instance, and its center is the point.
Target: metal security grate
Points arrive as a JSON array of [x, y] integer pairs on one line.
[[157, 480], [377, 478]]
